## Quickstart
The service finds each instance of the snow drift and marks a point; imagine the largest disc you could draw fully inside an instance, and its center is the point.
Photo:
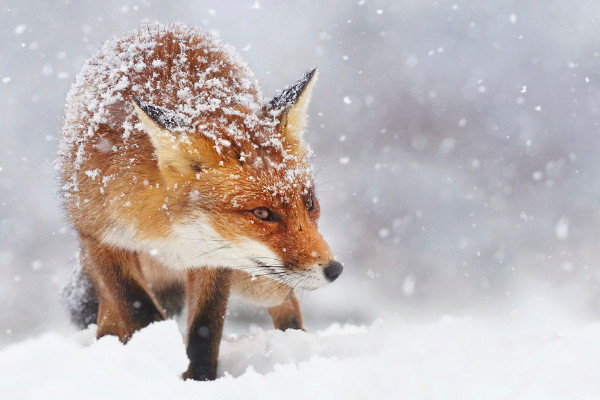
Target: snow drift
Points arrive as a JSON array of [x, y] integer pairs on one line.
[[450, 359]]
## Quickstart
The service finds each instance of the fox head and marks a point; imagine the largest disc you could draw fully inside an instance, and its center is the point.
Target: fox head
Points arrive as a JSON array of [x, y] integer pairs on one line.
[[241, 192]]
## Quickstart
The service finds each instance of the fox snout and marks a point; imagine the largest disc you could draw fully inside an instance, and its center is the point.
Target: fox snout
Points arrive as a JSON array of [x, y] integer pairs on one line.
[[317, 275]]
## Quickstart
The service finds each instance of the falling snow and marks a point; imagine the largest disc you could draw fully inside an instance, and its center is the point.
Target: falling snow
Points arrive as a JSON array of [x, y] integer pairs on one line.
[[457, 170]]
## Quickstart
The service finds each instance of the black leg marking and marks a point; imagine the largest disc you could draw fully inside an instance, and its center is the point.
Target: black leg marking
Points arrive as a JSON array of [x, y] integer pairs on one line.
[[200, 350], [171, 299], [206, 327], [290, 323], [139, 304]]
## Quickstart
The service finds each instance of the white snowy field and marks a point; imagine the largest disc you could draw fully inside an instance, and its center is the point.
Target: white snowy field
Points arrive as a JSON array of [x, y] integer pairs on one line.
[[449, 359]]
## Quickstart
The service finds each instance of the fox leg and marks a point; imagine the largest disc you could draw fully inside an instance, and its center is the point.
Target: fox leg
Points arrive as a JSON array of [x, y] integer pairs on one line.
[[207, 293], [279, 299], [287, 315], [124, 304]]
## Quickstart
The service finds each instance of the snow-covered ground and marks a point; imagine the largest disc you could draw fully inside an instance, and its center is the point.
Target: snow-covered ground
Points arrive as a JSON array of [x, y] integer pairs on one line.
[[449, 359]]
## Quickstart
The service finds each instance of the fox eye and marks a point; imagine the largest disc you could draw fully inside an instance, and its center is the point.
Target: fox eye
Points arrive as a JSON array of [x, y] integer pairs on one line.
[[309, 202], [263, 213]]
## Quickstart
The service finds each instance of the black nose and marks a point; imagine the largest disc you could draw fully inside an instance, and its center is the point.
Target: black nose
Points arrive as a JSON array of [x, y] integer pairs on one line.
[[333, 271]]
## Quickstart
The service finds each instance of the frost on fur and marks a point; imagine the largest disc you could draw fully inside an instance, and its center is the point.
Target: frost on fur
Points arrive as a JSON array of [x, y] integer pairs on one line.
[[193, 84]]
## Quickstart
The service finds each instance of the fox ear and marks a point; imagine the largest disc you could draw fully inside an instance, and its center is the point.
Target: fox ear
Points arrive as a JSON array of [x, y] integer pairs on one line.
[[170, 148], [161, 117], [292, 104]]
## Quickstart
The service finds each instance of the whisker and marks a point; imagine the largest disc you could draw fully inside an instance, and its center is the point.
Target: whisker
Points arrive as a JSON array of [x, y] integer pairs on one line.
[[213, 250], [204, 240]]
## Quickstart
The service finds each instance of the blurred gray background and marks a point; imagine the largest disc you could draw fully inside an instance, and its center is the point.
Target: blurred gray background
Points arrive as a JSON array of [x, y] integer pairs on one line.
[[457, 147]]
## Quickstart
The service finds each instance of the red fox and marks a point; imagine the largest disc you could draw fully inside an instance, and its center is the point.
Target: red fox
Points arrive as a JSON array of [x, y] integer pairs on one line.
[[184, 183]]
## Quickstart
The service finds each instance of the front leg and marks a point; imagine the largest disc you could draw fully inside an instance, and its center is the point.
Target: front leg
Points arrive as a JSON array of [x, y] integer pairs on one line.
[[278, 298], [287, 315], [207, 292]]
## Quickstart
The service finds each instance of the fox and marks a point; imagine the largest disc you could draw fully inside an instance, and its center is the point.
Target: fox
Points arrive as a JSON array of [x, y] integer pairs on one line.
[[184, 184]]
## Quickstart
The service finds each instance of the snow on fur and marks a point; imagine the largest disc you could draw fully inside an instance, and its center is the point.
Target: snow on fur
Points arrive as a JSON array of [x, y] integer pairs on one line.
[[452, 359], [216, 95]]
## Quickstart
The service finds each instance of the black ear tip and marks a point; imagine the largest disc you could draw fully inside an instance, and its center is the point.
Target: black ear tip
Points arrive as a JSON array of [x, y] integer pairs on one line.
[[291, 94], [164, 118], [309, 75], [137, 101]]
